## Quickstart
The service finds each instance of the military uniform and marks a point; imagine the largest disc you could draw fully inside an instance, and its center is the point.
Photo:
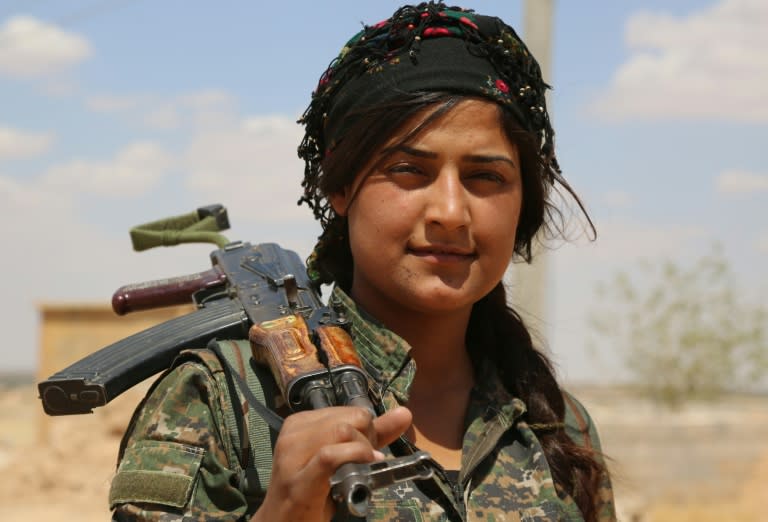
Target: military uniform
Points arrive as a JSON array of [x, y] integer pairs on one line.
[[174, 462]]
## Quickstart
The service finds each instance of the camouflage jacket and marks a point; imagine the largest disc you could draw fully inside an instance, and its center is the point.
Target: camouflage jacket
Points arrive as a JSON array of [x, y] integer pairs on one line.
[[174, 466]]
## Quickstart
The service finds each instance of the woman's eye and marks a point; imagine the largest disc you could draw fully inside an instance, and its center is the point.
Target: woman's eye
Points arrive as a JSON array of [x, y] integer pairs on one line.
[[404, 168], [488, 176]]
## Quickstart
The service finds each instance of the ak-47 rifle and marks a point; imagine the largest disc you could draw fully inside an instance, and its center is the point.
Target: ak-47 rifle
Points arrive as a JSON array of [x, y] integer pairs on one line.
[[257, 291]]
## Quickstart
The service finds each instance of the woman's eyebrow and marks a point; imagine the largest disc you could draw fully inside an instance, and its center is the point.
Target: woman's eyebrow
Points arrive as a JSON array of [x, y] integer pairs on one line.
[[490, 158], [409, 150], [470, 158]]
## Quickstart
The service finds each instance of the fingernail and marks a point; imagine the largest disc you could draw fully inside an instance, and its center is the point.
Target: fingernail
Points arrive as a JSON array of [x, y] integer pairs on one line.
[[377, 455]]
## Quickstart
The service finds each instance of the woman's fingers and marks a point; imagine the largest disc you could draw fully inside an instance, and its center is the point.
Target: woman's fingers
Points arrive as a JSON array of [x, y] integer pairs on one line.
[[328, 426], [314, 444], [342, 424], [391, 425]]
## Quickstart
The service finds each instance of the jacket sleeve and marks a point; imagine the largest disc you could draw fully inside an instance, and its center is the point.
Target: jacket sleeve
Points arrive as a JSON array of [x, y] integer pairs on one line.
[[173, 465], [582, 430]]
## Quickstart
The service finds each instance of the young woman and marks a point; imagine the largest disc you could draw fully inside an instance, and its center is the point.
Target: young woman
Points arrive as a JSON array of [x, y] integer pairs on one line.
[[429, 162]]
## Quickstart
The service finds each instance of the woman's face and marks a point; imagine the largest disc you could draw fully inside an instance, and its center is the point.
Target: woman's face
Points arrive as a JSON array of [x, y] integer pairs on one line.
[[432, 221]]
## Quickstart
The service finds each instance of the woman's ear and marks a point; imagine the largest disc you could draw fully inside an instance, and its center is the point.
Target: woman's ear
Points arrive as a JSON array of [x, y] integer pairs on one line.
[[339, 201]]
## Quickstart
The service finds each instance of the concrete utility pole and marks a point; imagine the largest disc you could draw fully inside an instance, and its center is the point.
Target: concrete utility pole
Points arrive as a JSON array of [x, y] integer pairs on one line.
[[529, 282]]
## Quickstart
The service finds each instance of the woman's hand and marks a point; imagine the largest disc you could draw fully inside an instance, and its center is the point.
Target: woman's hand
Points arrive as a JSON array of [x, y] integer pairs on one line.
[[311, 446]]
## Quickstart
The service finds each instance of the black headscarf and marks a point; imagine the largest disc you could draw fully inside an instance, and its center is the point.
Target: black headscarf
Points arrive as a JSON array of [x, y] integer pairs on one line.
[[427, 47]]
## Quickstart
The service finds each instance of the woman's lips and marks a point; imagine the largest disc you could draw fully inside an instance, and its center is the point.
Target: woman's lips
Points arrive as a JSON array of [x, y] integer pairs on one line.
[[443, 254]]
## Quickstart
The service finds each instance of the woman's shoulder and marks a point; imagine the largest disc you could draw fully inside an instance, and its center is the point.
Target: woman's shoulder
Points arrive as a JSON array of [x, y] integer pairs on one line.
[[582, 430], [180, 428], [182, 395], [209, 368], [579, 424], [197, 394]]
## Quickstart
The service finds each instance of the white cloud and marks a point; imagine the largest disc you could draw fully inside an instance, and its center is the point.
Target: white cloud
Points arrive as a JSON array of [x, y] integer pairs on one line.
[[206, 110], [19, 144], [253, 167], [148, 111], [249, 164], [60, 87], [113, 103], [207, 99], [270, 125], [30, 47], [194, 110], [712, 64], [17, 195], [133, 171], [163, 118], [741, 182]]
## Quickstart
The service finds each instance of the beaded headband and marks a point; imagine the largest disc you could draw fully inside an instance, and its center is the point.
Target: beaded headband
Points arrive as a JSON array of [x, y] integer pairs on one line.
[[428, 47]]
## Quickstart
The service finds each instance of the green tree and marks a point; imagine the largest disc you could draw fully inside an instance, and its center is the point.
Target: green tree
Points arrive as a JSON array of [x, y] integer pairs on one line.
[[684, 333]]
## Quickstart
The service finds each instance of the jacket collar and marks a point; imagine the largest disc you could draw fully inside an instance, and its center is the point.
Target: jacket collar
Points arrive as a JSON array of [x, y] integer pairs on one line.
[[384, 354], [385, 357]]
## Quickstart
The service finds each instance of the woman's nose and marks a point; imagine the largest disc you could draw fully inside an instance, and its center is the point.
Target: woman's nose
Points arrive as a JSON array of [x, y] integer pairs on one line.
[[447, 204]]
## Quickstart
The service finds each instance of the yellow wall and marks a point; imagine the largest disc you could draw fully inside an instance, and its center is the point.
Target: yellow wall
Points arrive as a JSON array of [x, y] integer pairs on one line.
[[69, 332]]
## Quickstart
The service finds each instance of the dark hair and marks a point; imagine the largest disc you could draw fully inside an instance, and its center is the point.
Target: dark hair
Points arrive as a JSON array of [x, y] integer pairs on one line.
[[528, 374], [495, 332]]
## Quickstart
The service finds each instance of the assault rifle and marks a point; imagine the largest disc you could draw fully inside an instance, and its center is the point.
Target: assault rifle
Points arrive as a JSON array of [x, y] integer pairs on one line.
[[261, 292]]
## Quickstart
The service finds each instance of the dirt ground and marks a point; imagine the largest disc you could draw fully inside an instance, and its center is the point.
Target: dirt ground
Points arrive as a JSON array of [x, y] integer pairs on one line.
[[57, 468], [703, 463]]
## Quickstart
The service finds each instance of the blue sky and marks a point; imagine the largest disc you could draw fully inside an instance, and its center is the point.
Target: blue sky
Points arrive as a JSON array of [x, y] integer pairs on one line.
[[119, 112]]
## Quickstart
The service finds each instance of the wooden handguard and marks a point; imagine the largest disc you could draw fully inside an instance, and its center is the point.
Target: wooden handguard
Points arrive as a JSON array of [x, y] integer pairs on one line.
[[338, 346], [284, 345]]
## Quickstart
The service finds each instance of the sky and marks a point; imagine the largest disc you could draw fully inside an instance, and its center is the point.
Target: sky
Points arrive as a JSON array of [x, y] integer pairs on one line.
[[116, 113]]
